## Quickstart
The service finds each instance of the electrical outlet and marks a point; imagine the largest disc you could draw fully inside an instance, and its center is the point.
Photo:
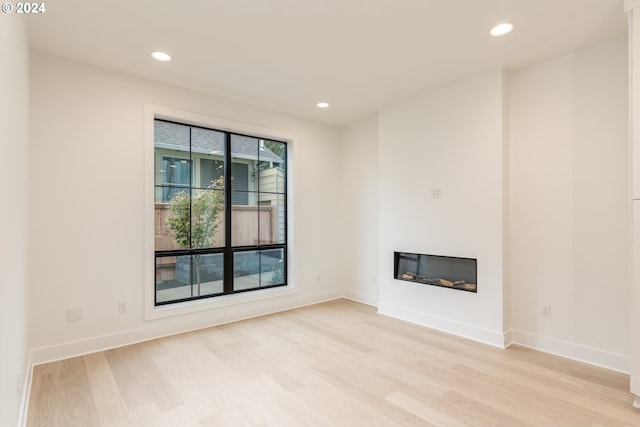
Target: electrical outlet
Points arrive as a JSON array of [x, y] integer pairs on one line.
[[546, 311], [122, 306], [435, 193]]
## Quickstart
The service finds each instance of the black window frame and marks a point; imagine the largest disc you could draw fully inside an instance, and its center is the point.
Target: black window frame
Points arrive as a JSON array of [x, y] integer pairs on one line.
[[228, 251]]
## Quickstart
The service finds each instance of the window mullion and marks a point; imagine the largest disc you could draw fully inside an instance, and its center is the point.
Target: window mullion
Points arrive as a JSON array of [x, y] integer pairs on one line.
[[190, 193], [228, 252]]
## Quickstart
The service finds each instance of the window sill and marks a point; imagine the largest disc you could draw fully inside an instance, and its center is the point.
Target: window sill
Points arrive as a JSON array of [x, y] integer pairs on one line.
[[160, 312]]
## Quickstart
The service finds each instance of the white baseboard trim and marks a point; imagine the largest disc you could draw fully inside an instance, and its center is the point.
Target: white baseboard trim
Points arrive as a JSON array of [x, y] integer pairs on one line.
[[486, 336], [152, 331], [508, 338], [569, 350], [366, 299], [26, 392]]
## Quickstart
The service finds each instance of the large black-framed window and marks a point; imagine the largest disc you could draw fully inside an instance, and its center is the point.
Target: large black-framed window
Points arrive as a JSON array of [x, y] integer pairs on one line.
[[204, 246]]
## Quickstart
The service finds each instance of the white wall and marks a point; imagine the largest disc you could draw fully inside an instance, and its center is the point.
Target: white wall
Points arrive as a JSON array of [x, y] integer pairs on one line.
[[569, 205], [451, 139], [14, 72], [632, 7], [87, 189], [359, 239]]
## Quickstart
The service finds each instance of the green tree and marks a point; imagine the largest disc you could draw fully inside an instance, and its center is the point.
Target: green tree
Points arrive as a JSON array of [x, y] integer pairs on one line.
[[194, 220], [277, 148]]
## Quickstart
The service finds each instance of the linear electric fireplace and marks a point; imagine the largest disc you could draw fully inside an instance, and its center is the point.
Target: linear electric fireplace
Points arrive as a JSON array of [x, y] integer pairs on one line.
[[436, 270]]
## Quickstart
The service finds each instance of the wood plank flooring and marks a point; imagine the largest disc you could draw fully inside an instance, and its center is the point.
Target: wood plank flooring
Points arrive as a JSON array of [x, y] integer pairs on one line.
[[332, 364]]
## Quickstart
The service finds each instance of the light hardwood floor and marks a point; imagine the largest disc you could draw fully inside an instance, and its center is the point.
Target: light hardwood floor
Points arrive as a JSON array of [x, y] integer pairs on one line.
[[332, 364]]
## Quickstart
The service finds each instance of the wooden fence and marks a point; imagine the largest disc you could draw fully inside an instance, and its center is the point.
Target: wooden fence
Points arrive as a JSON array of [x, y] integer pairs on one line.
[[252, 225]]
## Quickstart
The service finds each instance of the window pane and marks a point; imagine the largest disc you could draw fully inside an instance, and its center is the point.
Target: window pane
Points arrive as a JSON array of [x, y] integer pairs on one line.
[[164, 237], [272, 154], [272, 271], [244, 155], [176, 171], [188, 276], [208, 274], [172, 219], [211, 173], [245, 223], [240, 179], [261, 223], [208, 146], [255, 269], [207, 141], [244, 147], [165, 194], [207, 214], [172, 156], [172, 174], [172, 136], [272, 218], [173, 278], [246, 270], [271, 179]]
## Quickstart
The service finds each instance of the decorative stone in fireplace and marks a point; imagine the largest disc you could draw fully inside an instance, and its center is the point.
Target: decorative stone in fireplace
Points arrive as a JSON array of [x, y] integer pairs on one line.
[[436, 270]]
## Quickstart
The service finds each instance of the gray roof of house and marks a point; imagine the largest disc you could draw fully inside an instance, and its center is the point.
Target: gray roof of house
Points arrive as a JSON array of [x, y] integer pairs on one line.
[[175, 136]]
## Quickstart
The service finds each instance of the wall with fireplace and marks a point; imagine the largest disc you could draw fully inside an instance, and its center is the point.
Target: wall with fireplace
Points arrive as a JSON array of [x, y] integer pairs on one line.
[[450, 142], [540, 200]]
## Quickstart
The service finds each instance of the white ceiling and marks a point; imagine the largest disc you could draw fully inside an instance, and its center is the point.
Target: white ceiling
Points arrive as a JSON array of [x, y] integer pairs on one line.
[[286, 55]]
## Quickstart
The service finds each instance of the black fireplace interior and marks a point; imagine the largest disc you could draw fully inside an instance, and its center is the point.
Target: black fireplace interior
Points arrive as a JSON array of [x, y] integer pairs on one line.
[[436, 270]]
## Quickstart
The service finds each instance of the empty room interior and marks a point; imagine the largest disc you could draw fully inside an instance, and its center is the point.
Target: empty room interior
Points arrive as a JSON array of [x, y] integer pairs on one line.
[[345, 212]]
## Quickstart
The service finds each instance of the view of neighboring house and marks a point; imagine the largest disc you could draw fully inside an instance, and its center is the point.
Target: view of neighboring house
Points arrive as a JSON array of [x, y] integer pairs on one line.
[[254, 167]]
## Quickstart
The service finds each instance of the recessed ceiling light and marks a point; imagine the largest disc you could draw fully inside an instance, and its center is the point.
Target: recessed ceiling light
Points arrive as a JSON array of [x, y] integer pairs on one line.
[[161, 56], [322, 104], [502, 29]]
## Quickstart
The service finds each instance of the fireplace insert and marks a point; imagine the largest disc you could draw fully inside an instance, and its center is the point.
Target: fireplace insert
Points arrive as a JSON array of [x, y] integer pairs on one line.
[[436, 270]]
